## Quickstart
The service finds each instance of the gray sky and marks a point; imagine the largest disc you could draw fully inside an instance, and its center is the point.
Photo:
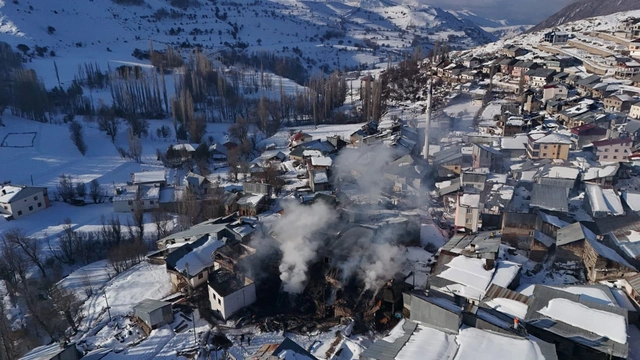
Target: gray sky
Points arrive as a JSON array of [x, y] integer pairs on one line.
[[525, 11]]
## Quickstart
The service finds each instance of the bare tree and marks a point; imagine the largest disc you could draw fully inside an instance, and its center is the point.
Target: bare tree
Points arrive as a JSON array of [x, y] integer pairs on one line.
[[126, 255], [163, 223], [29, 246], [138, 220], [240, 130], [135, 146], [81, 189], [65, 188], [108, 122], [15, 265], [234, 161], [77, 136], [94, 191], [66, 303], [111, 233]]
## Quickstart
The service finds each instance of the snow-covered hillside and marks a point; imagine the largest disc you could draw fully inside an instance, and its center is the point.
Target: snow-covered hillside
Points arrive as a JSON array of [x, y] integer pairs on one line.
[[577, 29], [333, 34]]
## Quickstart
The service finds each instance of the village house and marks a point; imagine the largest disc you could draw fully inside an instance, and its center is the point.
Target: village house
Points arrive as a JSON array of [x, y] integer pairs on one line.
[[585, 85], [522, 67], [630, 27], [487, 157], [156, 178], [472, 62], [613, 150], [318, 180], [299, 138], [559, 63], [600, 202], [539, 77], [198, 184], [468, 210], [601, 175], [586, 134], [554, 91], [556, 37], [513, 51], [505, 66], [473, 180], [218, 153], [514, 147], [454, 159], [634, 110], [558, 317], [229, 292], [251, 204], [618, 103], [154, 313], [19, 201], [189, 265], [626, 68], [548, 145], [575, 242], [132, 197]]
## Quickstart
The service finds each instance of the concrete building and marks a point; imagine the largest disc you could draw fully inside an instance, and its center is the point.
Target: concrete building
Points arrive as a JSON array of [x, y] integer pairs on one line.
[[468, 210], [556, 37], [548, 146], [154, 313], [554, 92], [634, 111], [19, 201], [229, 292], [613, 150]]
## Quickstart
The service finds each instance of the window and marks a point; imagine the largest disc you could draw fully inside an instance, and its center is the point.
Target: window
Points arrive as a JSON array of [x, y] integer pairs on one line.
[[214, 295], [150, 202], [606, 150], [615, 150], [200, 276], [39, 204], [30, 208], [614, 157], [130, 202], [19, 212], [219, 302], [35, 198], [468, 221], [605, 157], [469, 211], [544, 154], [545, 147]]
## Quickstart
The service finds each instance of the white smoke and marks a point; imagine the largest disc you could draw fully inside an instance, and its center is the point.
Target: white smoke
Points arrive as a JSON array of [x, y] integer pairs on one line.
[[366, 165], [383, 261], [297, 235]]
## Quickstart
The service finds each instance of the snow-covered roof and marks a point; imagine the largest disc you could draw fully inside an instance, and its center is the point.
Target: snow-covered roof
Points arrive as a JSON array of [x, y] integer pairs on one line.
[[129, 193], [146, 177], [185, 147], [594, 293], [251, 199], [321, 161], [553, 138], [518, 142], [610, 325], [7, 192], [505, 272], [199, 258], [320, 177], [470, 200], [604, 200], [470, 273], [562, 172], [149, 193], [632, 199], [593, 173], [515, 121], [311, 153], [510, 307]]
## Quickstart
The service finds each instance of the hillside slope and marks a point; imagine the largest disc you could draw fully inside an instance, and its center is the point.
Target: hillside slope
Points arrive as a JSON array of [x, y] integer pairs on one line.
[[322, 34], [583, 9]]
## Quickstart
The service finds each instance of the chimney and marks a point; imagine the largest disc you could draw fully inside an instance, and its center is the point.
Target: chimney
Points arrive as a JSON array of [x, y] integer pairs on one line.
[[4, 192], [425, 150], [516, 323]]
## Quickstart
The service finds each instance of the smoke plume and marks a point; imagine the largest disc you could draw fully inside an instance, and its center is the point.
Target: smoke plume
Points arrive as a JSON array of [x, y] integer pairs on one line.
[[297, 234]]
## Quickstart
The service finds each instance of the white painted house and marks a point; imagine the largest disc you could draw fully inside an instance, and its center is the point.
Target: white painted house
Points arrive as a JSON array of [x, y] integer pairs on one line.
[[19, 201], [229, 292]]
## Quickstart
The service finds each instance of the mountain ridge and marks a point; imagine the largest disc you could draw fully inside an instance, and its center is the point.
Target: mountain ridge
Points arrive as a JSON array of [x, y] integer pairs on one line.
[[583, 9]]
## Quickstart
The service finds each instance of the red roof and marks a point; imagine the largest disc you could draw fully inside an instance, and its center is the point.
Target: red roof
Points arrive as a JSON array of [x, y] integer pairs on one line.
[[299, 135], [608, 142], [589, 129]]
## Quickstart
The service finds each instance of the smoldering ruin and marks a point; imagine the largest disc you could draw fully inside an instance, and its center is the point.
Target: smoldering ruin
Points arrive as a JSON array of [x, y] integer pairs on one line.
[[342, 253]]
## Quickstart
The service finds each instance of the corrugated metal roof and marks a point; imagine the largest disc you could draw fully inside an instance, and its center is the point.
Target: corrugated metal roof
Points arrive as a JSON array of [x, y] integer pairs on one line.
[[553, 198], [384, 350], [570, 233], [149, 305], [496, 291], [634, 281]]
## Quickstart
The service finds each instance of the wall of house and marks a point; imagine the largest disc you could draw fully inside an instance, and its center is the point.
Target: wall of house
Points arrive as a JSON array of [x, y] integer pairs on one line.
[[123, 205], [634, 112], [428, 313], [228, 305], [538, 252], [468, 218], [518, 229], [199, 279], [28, 205], [550, 151], [612, 153]]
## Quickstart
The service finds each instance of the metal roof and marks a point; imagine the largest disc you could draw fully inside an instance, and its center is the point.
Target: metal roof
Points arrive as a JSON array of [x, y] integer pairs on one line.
[[540, 299], [149, 305], [553, 198], [484, 242], [634, 281], [497, 291], [384, 350], [569, 234]]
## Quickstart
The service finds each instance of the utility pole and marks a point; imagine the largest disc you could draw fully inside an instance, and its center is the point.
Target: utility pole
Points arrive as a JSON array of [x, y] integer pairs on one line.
[[195, 336], [425, 150], [104, 292]]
